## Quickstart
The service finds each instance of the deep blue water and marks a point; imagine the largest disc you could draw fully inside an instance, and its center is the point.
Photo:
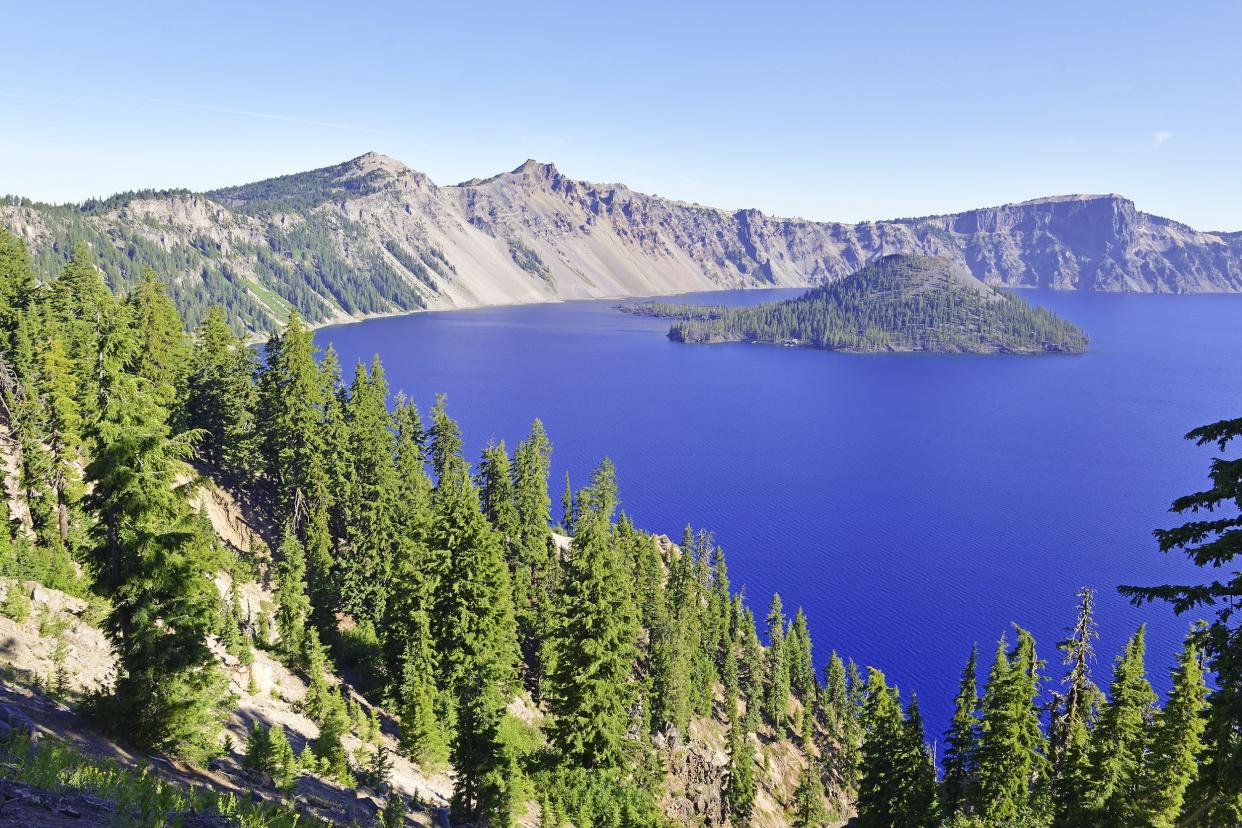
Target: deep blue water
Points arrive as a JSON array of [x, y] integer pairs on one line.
[[912, 504]]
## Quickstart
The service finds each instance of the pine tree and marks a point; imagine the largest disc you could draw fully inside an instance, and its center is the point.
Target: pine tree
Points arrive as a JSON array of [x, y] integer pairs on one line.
[[676, 642], [1171, 766], [320, 576], [918, 772], [366, 557], [445, 440], [1216, 545], [291, 399], [17, 285], [1011, 762], [1120, 739], [152, 557], [221, 397], [567, 508], [589, 687], [776, 694], [292, 604], [337, 498], [333, 760], [808, 803], [840, 717], [163, 360], [880, 800], [741, 784], [315, 663], [801, 664], [496, 493], [62, 436], [424, 729], [412, 522], [961, 742], [282, 764], [1073, 717], [474, 629], [851, 748], [82, 309], [535, 563], [258, 749]]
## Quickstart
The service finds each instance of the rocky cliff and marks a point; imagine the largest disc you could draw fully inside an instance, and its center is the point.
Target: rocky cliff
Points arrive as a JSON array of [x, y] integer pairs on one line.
[[373, 236]]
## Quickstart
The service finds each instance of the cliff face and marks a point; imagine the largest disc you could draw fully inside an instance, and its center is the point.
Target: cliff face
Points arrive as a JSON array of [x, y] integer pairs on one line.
[[373, 236]]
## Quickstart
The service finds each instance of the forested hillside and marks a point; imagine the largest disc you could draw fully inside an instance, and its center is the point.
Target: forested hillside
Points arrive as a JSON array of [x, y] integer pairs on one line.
[[900, 303], [554, 672], [372, 236]]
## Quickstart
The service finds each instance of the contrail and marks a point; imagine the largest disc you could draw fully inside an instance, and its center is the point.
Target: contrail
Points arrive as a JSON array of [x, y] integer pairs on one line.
[[121, 102]]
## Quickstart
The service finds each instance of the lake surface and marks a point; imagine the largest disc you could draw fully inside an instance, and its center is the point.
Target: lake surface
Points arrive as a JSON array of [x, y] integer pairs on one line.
[[912, 504]]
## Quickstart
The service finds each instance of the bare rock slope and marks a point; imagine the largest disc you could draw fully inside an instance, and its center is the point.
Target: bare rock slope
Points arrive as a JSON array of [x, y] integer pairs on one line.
[[372, 236]]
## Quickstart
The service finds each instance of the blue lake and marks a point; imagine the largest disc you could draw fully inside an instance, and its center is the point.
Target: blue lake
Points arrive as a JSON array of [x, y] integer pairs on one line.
[[912, 504]]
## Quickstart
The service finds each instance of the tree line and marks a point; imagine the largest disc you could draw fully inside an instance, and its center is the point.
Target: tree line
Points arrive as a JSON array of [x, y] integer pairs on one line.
[[461, 592]]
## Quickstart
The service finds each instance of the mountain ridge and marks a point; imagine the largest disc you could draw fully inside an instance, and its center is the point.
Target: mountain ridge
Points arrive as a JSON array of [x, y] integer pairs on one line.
[[374, 236]]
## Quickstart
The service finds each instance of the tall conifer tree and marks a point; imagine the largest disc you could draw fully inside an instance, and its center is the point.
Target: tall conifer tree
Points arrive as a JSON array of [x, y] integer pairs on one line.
[[589, 688], [961, 741], [1120, 739], [1171, 765]]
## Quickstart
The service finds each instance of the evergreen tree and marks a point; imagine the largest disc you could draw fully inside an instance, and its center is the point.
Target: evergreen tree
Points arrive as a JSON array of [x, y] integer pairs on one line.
[[221, 397], [365, 558], [315, 663], [801, 664], [840, 721], [291, 399], [1171, 766], [62, 437], [589, 686], [1011, 762], [333, 759], [776, 694], [411, 585], [153, 559], [881, 803], [163, 360], [676, 642], [292, 604], [1073, 717], [445, 440], [534, 560], [1120, 739], [17, 285], [567, 508], [474, 629], [808, 804], [496, 493], [320, 580], [918, 772], [1214, 544], [424, 730], [335, 435], [961, 742], [741, 785], [281, 763]]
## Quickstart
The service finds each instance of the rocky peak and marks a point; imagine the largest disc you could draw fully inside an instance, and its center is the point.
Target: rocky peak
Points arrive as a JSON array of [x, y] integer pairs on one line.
[[532, 167], [373, 160]]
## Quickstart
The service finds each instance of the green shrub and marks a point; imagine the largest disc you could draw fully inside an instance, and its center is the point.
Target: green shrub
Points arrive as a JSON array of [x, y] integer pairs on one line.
[[16, 603]]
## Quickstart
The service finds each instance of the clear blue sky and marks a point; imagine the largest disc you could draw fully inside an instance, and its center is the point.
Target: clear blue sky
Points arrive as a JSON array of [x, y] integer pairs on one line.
[[826, 110]]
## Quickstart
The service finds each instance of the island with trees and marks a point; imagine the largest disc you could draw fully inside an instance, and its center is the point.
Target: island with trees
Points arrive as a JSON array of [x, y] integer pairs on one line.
[[899, 303]]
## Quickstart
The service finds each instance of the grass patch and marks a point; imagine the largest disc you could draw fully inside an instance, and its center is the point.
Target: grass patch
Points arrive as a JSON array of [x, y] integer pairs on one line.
[[140, 799]]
